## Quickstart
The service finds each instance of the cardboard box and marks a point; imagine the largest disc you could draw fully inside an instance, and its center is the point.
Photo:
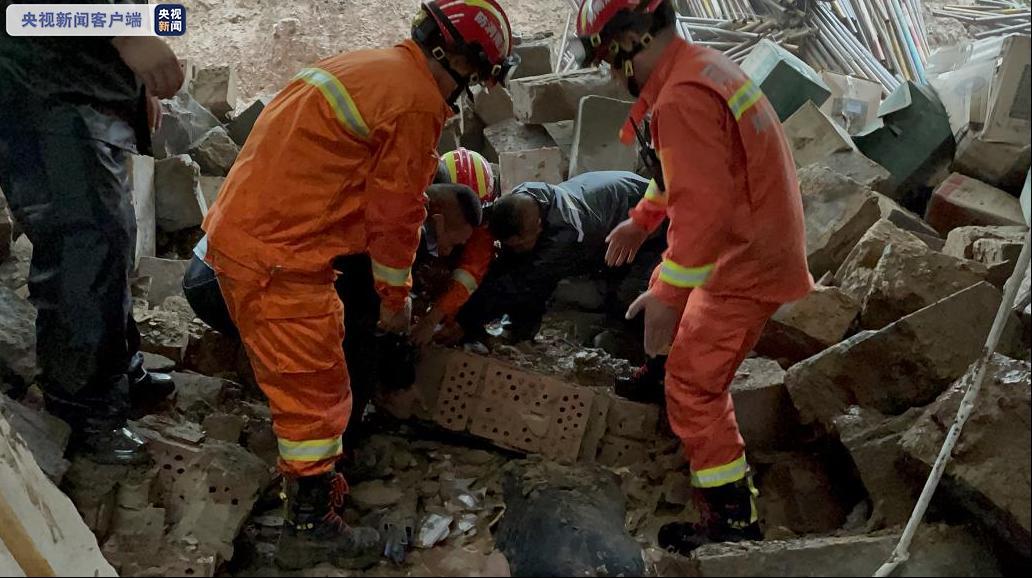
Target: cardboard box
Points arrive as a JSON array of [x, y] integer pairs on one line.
[[912, 137], [787, 81], [1010, 102], [985, 87], [854, 101], [813, 136]]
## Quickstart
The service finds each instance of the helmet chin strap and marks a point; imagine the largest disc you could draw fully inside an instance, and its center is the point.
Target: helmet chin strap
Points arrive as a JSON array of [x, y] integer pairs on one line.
[[461, 82], [625, 60]]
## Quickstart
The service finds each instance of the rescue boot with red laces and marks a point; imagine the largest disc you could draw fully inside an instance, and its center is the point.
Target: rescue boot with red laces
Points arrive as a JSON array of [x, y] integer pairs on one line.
[[315, 532], [728, 515], [645, 385]]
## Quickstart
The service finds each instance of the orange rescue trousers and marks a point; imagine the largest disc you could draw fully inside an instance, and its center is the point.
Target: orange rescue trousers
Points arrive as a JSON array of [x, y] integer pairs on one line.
[[715, 335], [292, 327]]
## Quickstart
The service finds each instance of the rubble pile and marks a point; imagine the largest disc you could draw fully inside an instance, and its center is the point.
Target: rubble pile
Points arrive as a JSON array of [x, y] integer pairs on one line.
[[519, 458]]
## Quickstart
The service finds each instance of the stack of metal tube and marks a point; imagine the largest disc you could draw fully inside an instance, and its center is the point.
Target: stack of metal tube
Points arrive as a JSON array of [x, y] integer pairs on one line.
[[988, 18]]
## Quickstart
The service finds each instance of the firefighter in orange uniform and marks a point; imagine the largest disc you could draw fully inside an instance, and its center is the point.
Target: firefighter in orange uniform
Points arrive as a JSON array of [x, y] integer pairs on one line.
[[337, 165], [470, 168], [736, 250]]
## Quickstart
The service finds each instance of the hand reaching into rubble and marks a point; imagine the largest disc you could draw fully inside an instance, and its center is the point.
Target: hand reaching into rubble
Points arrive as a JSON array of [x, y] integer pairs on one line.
[[399, 321], [424, 331], [153, 62], [624, 242], [660, 322]]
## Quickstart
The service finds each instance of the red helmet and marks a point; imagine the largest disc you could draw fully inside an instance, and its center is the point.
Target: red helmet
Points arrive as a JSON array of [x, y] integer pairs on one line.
[[470, 168], [595, 15], [477, 29]]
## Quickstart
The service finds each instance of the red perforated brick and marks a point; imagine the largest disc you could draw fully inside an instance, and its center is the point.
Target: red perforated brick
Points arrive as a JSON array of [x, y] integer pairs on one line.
[[463, 376]]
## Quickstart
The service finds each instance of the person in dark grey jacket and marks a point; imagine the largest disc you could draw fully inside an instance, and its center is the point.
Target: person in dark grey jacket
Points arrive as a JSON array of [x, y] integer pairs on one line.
[[553, 232], [72, 111]]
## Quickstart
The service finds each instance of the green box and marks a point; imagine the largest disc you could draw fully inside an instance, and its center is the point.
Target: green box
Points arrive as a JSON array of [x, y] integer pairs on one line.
[[911, 138], [787, 81]]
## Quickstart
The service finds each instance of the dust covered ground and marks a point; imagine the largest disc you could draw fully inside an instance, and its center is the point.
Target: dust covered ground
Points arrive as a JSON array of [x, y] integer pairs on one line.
[[268, 41]]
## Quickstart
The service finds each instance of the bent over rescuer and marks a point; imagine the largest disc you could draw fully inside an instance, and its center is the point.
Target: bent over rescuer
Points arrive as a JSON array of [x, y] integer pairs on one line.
[[337, 165]]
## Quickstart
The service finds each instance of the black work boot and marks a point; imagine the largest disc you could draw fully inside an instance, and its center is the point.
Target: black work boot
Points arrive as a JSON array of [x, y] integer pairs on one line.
[[147, 388], [99, 431], [315, 533], [646, 385], [729, 515]]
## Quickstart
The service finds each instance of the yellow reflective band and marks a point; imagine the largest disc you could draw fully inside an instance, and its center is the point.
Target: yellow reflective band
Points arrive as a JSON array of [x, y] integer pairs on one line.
[[466, 279], [585, 10], [721, 475], [390, 275], [679, 276], [311, 450], [339, 99], [655, 195], [453, 167], [478, 169], [744, 99]]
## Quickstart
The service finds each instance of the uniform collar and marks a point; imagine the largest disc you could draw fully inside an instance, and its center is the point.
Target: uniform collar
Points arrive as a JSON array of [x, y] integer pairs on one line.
[[650, 92], [423, 65]]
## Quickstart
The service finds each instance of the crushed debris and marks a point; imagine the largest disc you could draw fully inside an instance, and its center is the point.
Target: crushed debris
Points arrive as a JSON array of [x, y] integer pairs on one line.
[[518, 458]]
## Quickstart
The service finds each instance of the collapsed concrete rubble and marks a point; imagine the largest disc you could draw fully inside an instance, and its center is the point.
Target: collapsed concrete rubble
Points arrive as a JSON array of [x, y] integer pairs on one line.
[[519, 459]]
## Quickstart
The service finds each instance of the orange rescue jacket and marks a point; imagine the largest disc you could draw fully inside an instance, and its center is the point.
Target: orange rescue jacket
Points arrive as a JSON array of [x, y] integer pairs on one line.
[[337, 164], [736, 214], [477, 254]]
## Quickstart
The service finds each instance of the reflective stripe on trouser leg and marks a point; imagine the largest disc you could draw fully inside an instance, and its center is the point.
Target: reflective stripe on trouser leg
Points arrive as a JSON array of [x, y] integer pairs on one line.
[[466, 279], [720, 475], [310, 450], [715, 335], [293, 333]]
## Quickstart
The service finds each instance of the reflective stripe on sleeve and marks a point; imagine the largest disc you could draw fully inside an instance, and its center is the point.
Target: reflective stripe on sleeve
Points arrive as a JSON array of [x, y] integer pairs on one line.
[[338, 98], [466, 279], [679, 276], [390, 275], [744, 99]]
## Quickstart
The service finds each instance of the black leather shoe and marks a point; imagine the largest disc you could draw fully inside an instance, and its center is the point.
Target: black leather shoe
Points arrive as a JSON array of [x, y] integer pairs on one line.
[[147, 388], [729, 516]]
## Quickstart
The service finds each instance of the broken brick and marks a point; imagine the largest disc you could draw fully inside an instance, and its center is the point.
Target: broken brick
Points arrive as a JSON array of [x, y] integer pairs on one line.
[[215, 88], [242, 124], [596, 146], [906, 364], [166, 277], [989, 468], [961, 201], [178, 196], [800, 494], [804, 328], [555, 97], [543, 165], [936, 551], [874, 443], [766, 417], [629, 419], [535, 58], [838, 211], [493, 105], [892, 273], [813, 136], [215, 154], [141, 174], [512, 136]]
